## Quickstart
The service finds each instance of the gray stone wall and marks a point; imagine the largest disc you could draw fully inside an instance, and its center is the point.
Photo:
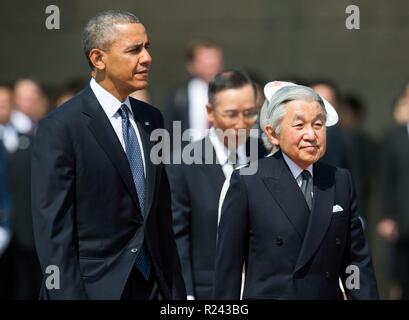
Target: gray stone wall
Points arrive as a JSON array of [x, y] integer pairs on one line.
[[272, 37]]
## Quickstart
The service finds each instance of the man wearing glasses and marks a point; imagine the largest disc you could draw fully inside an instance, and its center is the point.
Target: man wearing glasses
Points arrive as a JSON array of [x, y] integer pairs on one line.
[[196, 187]]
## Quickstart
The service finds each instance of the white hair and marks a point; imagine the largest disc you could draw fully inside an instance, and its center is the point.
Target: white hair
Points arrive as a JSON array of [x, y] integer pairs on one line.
[[273, 111]]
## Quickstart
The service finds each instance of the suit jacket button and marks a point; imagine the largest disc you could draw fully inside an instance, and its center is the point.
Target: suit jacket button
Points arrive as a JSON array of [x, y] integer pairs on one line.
[[133, 250], [327, 274], [337, 241], [279, 241]]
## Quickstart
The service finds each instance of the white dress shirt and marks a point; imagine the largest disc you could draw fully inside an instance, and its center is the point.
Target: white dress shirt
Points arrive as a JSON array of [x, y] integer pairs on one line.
[[198, 98], [111, 105], [9, 137], [223, 153]]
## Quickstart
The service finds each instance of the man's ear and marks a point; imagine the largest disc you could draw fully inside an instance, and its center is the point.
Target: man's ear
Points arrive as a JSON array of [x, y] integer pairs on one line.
[[271, 135], [97, 57], [210, 112]]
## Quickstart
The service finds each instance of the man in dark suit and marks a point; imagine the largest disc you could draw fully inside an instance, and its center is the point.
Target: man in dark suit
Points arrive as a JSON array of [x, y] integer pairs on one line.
[[101, 208], [6, 213], [6, 228], [16, 132], [294, 224], [394, 226], [196, 187], [187, 103]]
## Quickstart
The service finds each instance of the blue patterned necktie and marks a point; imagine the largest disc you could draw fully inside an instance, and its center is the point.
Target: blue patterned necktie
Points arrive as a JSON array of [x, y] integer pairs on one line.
[[134, 155]]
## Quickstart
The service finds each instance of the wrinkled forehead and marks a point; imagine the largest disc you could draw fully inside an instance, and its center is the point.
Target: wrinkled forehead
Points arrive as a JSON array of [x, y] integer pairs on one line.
[[305, 109]]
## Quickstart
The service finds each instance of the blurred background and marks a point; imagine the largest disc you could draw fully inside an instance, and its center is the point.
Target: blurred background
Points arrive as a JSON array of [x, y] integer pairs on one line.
[[302, 41]]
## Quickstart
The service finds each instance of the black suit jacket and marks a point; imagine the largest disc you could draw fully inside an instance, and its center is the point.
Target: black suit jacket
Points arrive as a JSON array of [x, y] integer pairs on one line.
[[86, 214], [395, 179], [177, 108], [20, 173], [289, 252], [195, 199]]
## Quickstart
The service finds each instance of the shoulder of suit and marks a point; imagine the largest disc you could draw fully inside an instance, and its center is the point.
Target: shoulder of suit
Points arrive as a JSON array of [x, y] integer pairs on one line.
[[395, 129], [328, 170], [145, 106], [68, 109]]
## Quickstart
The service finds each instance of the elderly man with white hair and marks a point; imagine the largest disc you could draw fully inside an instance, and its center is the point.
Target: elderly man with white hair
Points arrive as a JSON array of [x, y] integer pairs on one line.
[[294, 225]]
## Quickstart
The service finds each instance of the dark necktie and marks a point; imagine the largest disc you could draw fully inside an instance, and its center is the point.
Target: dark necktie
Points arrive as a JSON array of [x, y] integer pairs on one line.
[[306, 187], [134, 155]]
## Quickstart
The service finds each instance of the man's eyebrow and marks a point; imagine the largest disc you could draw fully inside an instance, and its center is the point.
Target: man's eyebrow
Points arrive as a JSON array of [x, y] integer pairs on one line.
[[299, 117], [136, 46], [320, 116]]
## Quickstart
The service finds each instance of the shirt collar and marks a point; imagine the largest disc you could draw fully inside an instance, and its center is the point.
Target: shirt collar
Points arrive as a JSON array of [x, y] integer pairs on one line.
[[108, 102], [199, 84], [222, 152], [294, 168]]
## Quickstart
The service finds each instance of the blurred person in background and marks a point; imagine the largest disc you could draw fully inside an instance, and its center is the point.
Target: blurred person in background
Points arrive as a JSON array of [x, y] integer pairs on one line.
[[8, 132], [187, 103], [196, 187], [394, 226], [30, 105], [361, 149], [29, 100], [6, 221], [400, 110]]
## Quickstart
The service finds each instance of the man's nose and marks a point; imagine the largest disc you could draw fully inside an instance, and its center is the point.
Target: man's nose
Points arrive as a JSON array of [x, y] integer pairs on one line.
[[240, 122], [309, 133], [146, 58]]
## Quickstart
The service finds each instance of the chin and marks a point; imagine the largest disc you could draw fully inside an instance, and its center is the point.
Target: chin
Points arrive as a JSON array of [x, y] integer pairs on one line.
[[310, 159], [139, 86]]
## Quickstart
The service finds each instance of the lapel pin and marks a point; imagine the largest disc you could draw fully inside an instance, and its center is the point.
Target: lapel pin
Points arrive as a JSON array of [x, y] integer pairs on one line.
[[146, 123]]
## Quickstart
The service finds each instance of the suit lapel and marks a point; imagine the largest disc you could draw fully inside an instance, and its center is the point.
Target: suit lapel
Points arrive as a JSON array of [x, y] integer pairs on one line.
[[287, 194], [212, 166], [324, 185], [106, 137], [144, 127]]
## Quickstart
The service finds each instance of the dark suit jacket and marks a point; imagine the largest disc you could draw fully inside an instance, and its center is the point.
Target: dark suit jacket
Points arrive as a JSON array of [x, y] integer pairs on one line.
[[177, 108], [395, 179], [5, 192], [86, 212], [289, 252], [20, 173], [195, 199]]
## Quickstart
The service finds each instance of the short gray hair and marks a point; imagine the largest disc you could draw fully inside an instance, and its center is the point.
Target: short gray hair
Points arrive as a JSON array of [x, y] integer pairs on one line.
[[273, 111], [100, 31]]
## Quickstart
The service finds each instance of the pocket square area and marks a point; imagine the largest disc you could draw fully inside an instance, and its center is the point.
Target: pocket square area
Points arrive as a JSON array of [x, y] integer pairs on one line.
[[337, 208]]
